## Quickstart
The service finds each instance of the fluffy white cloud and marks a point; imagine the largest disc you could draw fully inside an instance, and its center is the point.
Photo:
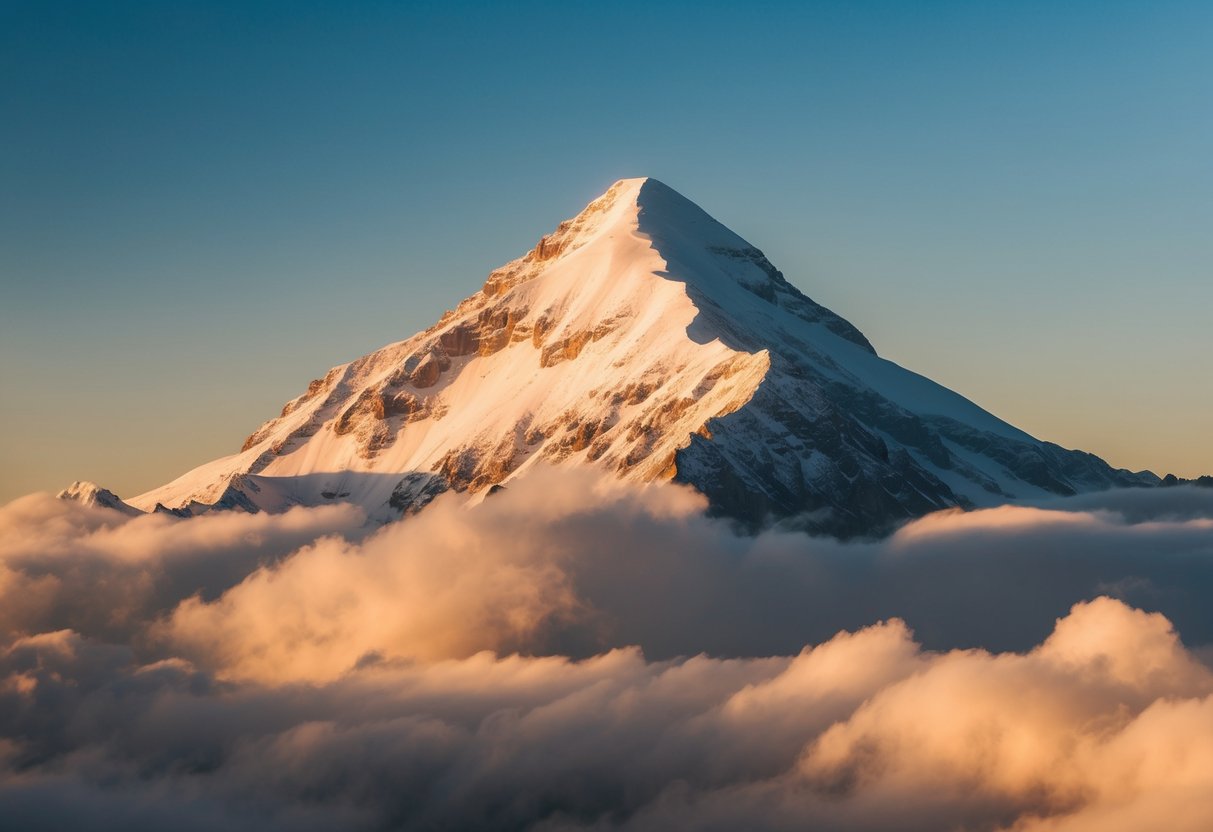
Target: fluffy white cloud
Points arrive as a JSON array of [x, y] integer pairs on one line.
[[474, 668], [1106, 724], [66, 565]]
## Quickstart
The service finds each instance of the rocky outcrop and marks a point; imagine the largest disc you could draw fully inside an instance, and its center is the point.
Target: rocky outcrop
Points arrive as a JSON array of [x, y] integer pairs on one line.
[[1203, 481], [415, 491], [550, 246], [463, 339], [428, 371], [476, 468], [570, 346]]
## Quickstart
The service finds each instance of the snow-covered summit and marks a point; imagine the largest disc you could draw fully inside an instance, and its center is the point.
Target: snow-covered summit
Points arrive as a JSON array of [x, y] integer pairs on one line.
[[91, 494], [645, 338]]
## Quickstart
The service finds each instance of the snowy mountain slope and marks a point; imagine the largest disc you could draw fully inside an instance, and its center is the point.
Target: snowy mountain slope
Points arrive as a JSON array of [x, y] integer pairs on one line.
[[91, 494], [645, 338]]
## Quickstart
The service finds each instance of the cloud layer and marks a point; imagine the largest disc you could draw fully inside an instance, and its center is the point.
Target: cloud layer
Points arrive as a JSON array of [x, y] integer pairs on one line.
[[524, 663]]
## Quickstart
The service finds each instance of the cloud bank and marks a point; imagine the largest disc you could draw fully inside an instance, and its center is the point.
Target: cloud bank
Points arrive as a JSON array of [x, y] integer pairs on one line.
[[572, 654]]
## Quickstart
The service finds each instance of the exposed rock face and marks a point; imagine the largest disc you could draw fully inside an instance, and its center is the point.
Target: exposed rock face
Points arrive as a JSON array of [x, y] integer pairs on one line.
[[646, 339], [569, 347], [415, 491], [548, 248], [427, 372], [463, 339], [1203, 481]]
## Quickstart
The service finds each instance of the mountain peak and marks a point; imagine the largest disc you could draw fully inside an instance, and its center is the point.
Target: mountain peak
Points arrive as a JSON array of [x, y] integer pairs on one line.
[[641, 204], [646, 339], [641, 220], [662, 207], [653, 206], [90, 494]]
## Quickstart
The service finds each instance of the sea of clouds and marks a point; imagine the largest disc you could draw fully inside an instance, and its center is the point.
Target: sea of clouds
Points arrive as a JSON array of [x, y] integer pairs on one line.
[[573, 654]]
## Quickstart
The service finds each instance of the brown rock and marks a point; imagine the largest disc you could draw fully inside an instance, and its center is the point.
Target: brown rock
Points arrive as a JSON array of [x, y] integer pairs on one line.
[[547, 248], [599, 447], [585, 433], [497, 328], [255, 437], [368, 404], [426, 374], [566, 349], [634, 393], [400, 404], [542, 327], [462, 339]]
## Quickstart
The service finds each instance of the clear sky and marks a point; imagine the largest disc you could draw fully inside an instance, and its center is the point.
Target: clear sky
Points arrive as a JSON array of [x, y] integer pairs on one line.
[[205, 205]]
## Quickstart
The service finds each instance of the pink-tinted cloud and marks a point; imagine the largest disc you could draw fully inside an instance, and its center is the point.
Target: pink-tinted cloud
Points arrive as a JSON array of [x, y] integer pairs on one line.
[[523, 663]]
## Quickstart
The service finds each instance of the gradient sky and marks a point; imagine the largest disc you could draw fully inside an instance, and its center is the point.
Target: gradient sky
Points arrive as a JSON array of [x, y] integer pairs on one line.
[[205, 205]]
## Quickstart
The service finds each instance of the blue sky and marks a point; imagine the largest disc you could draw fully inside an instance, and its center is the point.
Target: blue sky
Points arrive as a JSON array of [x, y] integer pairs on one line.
[[204, 205]]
